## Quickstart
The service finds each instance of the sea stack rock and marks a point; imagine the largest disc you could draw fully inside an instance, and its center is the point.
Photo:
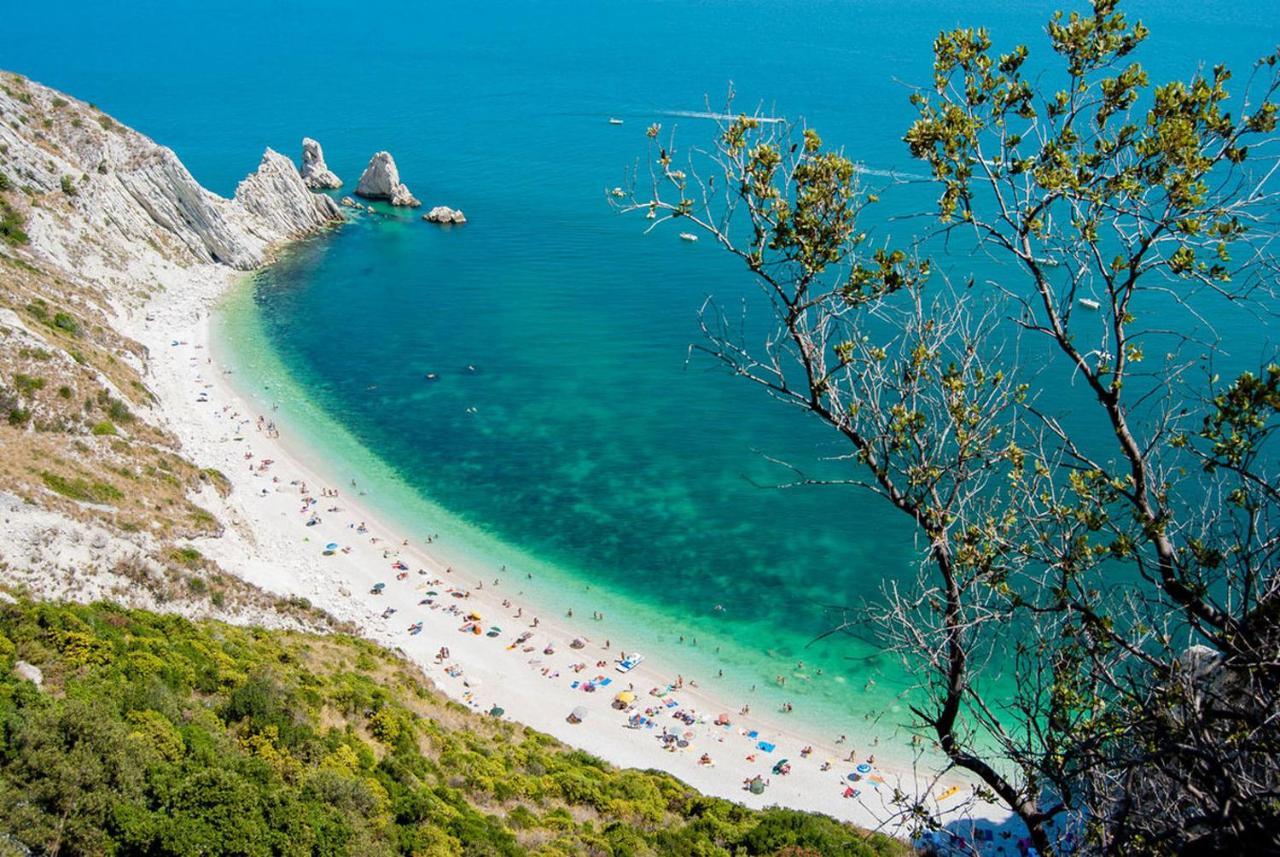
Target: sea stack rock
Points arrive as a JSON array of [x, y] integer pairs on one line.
[[381, 180], [444, 214], [315, 172], [276, 196]]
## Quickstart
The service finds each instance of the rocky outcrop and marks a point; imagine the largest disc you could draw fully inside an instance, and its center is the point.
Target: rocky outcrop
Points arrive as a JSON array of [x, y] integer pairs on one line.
[[315, 172], [444, 214], [279, 201], [130, 195], [29, 672], [381, 180]]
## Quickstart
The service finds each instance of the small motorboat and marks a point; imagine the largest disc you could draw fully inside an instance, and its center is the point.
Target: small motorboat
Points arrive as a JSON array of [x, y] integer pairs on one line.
[[1089, 303], [688, 236], [613, 120], [630, 662]]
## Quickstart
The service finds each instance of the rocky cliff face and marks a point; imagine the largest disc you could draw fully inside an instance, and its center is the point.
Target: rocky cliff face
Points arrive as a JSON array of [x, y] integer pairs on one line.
[[381, 180], [96, 190], [315, 172], [279, 201], [106, 243]]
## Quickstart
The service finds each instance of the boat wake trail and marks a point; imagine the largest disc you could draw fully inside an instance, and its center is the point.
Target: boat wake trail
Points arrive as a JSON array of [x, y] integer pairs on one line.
[[698, 114], [896, 175]]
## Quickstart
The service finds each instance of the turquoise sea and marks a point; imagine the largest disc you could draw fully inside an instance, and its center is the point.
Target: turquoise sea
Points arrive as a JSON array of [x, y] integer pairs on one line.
[[587, 446]]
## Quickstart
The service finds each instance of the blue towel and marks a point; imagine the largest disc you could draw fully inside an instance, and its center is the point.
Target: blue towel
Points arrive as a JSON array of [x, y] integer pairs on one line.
[[753, 734], [606, 681], [766, 746], [574, 685]]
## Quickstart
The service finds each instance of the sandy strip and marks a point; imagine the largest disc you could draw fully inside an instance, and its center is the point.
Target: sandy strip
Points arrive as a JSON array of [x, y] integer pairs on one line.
[[271, 545]]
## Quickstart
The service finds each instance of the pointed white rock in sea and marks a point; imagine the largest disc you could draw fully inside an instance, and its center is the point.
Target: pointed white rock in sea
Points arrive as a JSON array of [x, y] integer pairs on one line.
[[315, 172], [381, 180]]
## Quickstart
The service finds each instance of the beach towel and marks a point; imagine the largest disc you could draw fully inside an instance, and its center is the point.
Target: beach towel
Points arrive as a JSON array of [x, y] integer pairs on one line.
[[766, 746], [606, 681], [753, 734]]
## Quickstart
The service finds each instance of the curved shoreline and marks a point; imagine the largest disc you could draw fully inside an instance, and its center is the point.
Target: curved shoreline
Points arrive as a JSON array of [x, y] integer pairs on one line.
[[270, 544]]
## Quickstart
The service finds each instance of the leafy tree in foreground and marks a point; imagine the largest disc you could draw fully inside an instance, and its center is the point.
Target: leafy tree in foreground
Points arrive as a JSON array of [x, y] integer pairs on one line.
[[1117, 565]]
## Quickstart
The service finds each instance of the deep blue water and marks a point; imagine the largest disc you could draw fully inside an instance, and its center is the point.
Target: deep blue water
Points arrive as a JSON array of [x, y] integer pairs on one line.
[[596, 444]]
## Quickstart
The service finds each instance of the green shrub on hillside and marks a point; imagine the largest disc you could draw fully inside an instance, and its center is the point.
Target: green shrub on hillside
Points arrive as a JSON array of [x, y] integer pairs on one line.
[[154, 735], [83, 490]]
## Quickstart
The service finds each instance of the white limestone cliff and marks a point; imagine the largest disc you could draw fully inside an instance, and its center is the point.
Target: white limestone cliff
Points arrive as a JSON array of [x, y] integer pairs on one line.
[[315, 172], [103, 194], [279, 200], [381, 180]]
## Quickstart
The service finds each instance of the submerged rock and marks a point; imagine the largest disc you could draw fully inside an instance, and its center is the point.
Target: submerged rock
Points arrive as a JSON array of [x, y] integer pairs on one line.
[[381, 180], [444, 214], [315, 172], [349, 202]]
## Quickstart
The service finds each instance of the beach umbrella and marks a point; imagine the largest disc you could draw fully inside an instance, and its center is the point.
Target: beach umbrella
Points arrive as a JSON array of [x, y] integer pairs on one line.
[[757, 786], [864, 768], [471, 681], [497, 711], [578, 714], [332, 546], [626, 697], [473, 616]]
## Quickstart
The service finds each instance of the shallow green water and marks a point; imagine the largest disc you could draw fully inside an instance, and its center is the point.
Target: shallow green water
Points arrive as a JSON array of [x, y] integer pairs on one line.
[[585, 447]]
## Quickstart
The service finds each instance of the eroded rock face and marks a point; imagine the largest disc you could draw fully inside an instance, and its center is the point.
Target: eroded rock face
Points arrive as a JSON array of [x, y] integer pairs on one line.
[[381, 180], [132, 193], [279, 200], [315, 172], [444, 214]]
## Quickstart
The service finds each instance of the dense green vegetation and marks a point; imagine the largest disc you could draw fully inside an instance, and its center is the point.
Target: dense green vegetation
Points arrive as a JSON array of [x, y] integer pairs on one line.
[[154, 735]]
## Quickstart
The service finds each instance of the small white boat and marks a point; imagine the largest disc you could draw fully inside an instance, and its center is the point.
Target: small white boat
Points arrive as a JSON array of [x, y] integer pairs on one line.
[[630, 662], [688, 236], [614, 121], [1089, 303]]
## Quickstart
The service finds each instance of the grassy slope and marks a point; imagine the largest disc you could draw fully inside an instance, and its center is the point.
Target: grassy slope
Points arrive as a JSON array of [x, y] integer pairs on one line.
[[155, 735]]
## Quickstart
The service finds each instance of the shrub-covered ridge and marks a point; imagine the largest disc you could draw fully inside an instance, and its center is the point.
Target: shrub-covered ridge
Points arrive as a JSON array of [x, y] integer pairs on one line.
[[154, 735]]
